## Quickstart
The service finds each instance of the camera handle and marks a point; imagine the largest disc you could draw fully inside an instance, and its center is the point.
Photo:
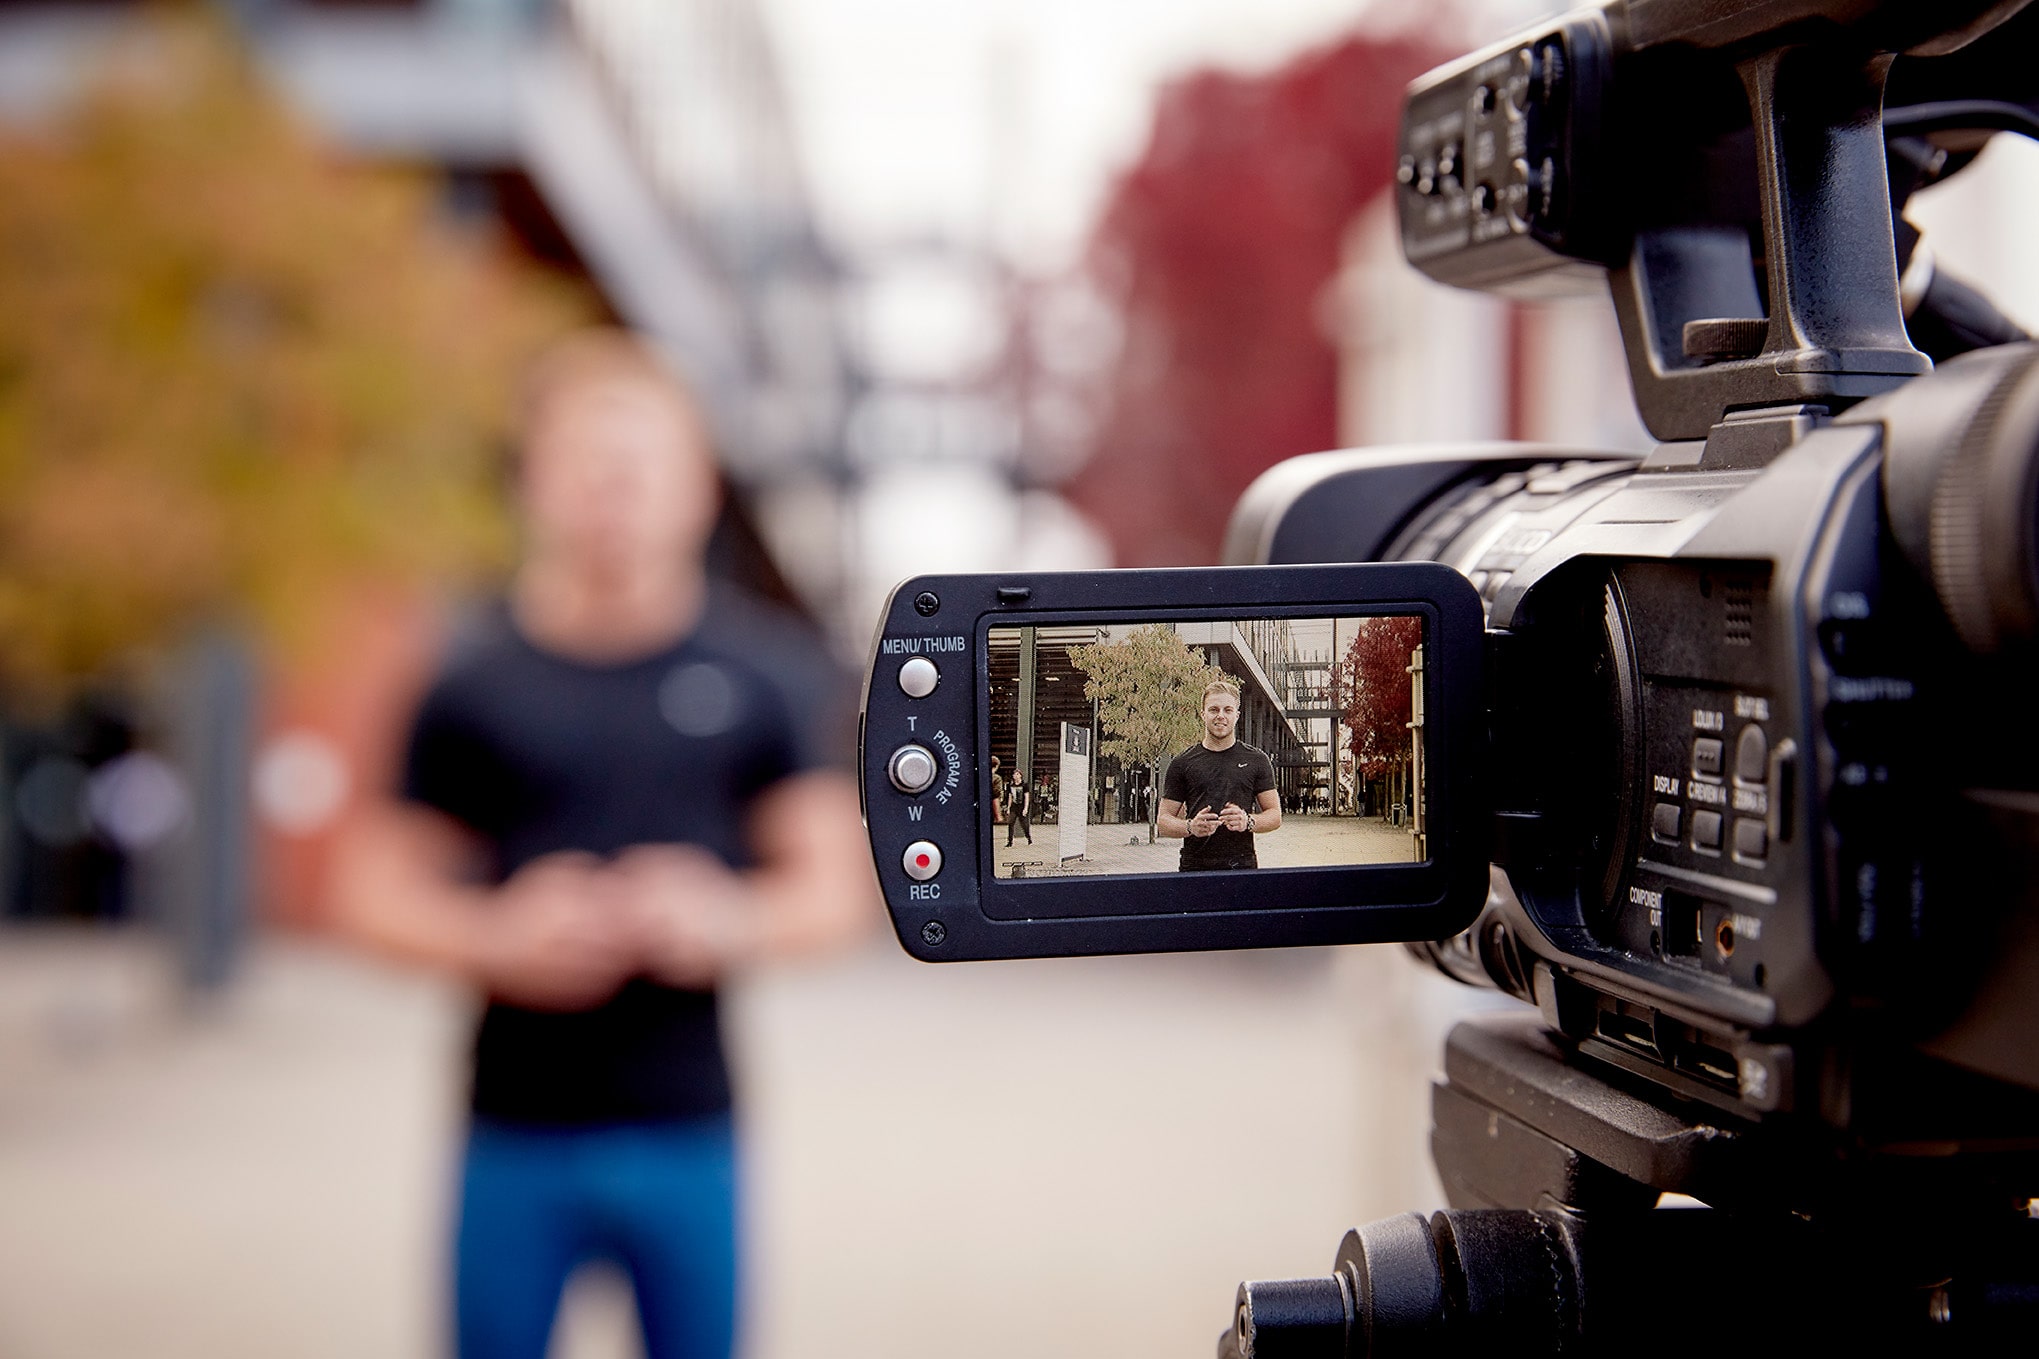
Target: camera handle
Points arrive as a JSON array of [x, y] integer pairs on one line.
[[1555, 1243], [1691, 317]]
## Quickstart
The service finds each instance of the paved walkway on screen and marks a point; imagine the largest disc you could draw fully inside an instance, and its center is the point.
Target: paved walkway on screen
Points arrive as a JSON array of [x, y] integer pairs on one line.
[[1302, 841]]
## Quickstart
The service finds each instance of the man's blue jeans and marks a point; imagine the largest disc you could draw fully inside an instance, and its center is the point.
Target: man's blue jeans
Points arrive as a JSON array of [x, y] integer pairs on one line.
[[659, 1199]]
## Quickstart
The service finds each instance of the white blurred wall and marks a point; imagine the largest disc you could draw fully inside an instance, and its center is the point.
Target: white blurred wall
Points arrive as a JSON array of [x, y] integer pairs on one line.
[[1980, 225], [1420, 362]]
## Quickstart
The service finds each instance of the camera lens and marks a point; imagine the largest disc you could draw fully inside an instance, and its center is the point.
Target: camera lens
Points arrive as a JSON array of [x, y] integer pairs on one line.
[[1961, 485]]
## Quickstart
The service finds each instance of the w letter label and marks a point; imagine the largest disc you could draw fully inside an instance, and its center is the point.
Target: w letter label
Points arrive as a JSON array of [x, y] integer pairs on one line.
[[913, 812]]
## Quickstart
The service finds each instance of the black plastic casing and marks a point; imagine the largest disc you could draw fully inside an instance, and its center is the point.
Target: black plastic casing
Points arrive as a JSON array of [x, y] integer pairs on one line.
[[966, 913], [1722, 167]]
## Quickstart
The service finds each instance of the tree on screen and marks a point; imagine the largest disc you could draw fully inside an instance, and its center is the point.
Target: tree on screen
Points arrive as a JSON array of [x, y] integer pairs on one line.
[[1148, 687], [1371, 687]]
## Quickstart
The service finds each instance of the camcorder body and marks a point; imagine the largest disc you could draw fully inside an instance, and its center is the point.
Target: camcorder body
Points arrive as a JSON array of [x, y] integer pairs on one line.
[[1722, 756]]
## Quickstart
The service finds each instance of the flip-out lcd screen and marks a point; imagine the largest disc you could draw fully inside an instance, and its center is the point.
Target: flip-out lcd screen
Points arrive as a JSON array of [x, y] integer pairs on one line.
[[1145, 760]]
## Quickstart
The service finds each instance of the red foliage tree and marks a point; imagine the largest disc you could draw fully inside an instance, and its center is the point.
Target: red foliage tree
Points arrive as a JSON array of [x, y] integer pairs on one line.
[[1371, 687], [1216, 248]]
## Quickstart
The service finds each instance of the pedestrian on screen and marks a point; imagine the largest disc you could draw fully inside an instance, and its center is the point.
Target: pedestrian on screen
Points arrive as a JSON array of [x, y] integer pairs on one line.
[[1019, 806]]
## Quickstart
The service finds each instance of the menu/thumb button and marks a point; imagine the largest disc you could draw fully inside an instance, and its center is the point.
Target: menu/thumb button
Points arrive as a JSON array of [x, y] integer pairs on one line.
[[918, 677]]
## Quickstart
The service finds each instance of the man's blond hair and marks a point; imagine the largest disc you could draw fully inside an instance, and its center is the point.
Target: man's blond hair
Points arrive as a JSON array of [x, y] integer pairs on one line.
[[1222, 686], [594, 357]]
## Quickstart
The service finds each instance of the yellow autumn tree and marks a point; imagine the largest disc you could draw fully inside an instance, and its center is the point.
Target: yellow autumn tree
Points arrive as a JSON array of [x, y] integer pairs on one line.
[[235, 370], [1149, 691]]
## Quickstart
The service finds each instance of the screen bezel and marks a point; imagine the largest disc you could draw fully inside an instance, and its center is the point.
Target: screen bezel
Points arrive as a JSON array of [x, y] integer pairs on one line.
[[963, 915], [1161, 891]]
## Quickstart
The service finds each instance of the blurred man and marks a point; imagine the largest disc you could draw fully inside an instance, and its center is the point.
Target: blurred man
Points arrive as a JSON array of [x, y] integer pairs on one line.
[[1231, 785], [613, 796]]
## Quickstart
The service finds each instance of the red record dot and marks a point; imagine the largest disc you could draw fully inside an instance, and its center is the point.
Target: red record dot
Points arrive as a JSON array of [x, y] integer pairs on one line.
[[921, 860]]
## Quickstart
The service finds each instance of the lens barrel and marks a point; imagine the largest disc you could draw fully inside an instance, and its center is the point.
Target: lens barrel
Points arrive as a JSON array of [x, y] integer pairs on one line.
[[1961, 489]]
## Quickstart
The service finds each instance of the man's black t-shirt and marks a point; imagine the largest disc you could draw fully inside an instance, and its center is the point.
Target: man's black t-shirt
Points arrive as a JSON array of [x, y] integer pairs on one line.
[[1201, 777], [536, 753]]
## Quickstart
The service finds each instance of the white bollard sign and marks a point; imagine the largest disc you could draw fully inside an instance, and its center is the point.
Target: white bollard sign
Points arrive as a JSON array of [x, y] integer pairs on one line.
[[1072, 806]]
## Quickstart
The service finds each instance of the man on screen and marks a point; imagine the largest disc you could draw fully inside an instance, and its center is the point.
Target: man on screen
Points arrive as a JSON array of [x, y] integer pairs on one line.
[[1219, 793]]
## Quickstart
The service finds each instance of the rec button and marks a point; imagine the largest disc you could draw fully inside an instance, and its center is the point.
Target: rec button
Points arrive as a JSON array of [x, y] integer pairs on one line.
[[922, 860], [918, 677]]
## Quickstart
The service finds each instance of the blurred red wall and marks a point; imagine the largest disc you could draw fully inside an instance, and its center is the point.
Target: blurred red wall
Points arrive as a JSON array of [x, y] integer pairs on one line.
[[1218, 245]]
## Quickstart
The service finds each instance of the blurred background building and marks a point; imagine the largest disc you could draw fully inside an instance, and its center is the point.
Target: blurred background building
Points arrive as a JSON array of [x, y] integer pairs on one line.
[[967, 285]]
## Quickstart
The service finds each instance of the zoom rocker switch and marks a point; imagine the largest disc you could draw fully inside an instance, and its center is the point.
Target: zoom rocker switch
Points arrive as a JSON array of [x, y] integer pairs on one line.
[[912, 769]]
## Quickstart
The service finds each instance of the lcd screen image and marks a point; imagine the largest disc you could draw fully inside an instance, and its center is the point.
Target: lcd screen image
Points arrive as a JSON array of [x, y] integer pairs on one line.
[[1206, 746]]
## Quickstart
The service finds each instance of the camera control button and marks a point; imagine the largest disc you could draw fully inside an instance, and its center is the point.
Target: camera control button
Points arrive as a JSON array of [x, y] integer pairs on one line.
[[1667, 822], [1752, 839], [1706, 831], [922, 860], [1752, 755], [912, 769], [1706, 756], [918, 677]]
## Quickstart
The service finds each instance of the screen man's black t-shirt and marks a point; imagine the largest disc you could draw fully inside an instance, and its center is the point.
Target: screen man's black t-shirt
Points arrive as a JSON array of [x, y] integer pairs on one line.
[[536, 753], [1201, 777]]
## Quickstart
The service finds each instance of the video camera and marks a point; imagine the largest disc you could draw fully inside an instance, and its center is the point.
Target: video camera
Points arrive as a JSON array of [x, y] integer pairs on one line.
[[1722, 757]]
